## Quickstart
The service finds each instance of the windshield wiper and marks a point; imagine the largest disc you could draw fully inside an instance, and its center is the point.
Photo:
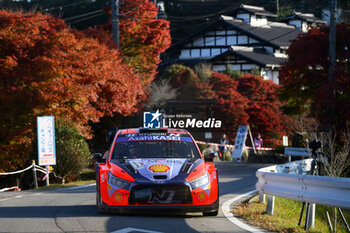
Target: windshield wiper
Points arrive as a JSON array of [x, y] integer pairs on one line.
[[120, 160], [192, 160]]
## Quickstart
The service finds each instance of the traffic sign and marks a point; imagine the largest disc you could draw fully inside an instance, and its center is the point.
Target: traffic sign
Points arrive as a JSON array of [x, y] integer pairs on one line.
[[46, 141]]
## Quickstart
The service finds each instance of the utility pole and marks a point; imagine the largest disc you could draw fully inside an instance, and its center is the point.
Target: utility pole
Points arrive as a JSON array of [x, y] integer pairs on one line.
[[115, 21], [332, 61], [277, 7]]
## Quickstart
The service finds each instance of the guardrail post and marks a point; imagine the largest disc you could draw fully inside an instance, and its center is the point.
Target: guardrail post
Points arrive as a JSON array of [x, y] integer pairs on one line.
[[311, 216], [262, 197], [34, 174], [270, 204]]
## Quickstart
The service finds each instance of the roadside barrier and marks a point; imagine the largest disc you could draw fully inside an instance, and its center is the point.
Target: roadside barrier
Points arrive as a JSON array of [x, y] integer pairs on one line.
[[16, 172], [291, 181], [15, 188], [323, 190], [34, 168], [232, 146]]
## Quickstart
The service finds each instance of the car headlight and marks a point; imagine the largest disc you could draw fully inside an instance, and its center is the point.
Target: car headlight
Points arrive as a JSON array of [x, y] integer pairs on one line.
[[120, 183], [200, 181]]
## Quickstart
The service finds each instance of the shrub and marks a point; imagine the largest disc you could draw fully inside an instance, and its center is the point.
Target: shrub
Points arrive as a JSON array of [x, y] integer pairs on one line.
[[202, 147], [72, 152], [203, 71]]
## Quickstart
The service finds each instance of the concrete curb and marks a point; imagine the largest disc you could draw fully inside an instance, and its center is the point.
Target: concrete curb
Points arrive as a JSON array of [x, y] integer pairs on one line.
[[227, 210]]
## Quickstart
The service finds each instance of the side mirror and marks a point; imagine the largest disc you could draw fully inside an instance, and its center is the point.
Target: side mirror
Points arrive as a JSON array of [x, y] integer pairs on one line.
[[110, 136], [209, 157], [97, 156]]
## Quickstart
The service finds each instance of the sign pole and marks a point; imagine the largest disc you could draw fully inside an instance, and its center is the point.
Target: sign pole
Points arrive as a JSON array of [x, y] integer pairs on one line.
[[34, 175], [251, 139], [47, 175]]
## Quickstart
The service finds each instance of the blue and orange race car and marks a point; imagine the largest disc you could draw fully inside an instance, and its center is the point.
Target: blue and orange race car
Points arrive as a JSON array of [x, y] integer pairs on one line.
[[155, 169]]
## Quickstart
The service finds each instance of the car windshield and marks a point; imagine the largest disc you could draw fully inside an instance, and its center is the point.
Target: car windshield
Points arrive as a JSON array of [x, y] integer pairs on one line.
[[155, 149]]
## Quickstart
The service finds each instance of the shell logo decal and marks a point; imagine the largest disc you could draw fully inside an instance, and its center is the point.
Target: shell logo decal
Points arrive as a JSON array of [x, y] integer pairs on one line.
[[159, 168]]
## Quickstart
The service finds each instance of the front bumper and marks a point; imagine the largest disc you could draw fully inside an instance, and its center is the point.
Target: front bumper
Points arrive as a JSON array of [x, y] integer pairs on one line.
[[160, 208]]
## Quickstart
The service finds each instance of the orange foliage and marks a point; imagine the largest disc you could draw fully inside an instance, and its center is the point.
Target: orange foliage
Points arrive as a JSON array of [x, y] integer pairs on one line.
[[48, 69], [143, 37]]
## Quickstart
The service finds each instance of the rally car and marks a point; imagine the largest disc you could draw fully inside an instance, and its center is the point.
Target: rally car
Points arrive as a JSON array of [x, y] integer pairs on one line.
[[155, 169]]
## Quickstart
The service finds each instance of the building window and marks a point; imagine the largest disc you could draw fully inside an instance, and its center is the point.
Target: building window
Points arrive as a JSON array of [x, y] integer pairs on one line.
[[205, 52], [220, 40], [198, 42], [185, 53], [195, 53], [231, 40], [215, 52], [209, 41], [242, 40]]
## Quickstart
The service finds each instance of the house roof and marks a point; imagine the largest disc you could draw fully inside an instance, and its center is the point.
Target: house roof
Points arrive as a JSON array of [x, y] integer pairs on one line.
[[246, 53], [190, 62], [250, 55], [278, 35], [255, 10], [305, 17]]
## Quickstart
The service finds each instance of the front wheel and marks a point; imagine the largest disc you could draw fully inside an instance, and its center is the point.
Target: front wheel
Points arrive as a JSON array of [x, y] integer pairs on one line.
[[100, 208]]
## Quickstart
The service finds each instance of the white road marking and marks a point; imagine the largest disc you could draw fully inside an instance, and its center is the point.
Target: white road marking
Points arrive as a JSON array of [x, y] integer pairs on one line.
[[77, 187], [226, 209], [129, 229]]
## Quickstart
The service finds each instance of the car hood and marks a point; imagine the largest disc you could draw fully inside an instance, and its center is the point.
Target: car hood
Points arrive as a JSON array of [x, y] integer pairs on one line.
[[157, 169]]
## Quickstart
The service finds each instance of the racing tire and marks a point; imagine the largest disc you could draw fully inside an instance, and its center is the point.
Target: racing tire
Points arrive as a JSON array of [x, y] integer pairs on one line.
[[100, 208], [211, 213]]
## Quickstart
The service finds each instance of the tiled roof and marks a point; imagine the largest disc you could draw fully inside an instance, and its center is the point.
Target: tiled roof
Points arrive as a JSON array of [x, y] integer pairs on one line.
[[277, 34], [190, 62], [306, 17], [250, 55], [256, 10]]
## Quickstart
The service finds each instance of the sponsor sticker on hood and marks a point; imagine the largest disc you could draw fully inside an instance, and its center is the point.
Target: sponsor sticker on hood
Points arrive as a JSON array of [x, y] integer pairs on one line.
[[150, 167], [159, 168]]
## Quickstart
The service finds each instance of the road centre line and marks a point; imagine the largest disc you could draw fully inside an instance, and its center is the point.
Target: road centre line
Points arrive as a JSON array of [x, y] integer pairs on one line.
[[226, 209]]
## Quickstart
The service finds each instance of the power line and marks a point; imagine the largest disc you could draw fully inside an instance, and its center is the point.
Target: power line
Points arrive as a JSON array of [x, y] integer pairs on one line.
[[134, 9], [90, 17], [68, 5], [82, 15]]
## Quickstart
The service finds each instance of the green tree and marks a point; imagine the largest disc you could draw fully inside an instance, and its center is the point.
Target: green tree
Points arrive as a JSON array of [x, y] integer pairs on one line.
[[72, 151]]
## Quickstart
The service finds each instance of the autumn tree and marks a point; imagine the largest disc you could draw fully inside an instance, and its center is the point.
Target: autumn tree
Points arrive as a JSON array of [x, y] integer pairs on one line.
[[143, 37], [304, 77], [265, 115], [48, 69], [231, 105], [248, 99], [187, 83]]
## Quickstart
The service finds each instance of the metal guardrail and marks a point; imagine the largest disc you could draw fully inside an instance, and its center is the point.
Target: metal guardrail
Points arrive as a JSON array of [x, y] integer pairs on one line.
[[295, 151], [323, 190]]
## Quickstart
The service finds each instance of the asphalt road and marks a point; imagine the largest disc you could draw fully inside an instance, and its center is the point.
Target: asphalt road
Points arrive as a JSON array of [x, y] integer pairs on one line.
[[74, 210]]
